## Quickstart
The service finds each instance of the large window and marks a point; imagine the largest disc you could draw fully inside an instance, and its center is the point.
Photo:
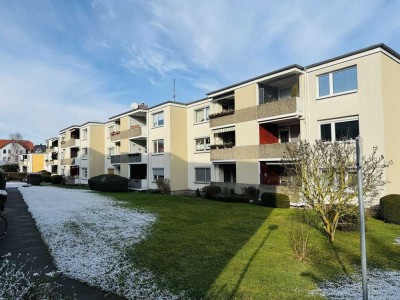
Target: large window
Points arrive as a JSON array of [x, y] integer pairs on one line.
[[203, 144], [201, 115], [158, 173], [158, 119], [339, 130], [84, 173], [84, 153], [84, 134], [203, 175], [158, 146], [338, 82]]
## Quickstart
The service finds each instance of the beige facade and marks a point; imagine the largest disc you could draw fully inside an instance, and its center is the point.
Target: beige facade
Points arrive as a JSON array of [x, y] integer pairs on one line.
[[237, 135]]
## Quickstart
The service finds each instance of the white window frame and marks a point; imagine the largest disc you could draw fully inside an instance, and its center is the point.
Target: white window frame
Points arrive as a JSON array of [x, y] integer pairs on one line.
[[157, 119], [206, 147], [84, 173], [84, 152], [155, 177], [84, 134], [156, 146], [330, 76], [333, 128], [206, 113], [202, 181]]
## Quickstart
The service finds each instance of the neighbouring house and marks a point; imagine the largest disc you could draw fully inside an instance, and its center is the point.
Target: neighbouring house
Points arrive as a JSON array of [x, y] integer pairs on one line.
[[10, 150], [237, 135]]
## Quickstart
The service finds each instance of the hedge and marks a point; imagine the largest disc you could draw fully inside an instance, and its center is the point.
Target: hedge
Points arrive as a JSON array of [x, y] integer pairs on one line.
[[231, 198], [275, 200], [2, 180], [210, 191], [3, 199], [390, 208], [56, 179], [34, 178], [108, 183], [21, 176]]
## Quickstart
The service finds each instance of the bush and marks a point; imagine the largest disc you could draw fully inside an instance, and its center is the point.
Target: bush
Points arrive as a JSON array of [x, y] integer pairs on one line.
[[251, 192], [56, 179], [231, 198], [44, 172], [34, 178], [163, 186], [350, 221], [10, 168], [46, 178], [375, 212], [390, 208], [275, 200], [3, 199], [20, 176], [232, 191], [108, 183], [198, 192], [2, 180], [210, 191]]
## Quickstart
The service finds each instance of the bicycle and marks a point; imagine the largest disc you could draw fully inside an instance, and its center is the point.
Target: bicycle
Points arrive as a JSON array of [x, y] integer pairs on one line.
[[3, 225]]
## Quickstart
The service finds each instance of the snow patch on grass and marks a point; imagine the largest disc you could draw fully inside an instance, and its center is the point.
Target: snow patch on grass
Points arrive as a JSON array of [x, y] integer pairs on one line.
[[88, 235], [384, 285]]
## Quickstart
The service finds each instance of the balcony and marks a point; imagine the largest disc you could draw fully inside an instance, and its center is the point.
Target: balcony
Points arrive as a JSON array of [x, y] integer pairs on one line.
[[52, 162], [265, 151], [286, 107], [138, 184], [133, 132], [129, 158], [221, 119], [51, 149], [70, 143], [71, 161]]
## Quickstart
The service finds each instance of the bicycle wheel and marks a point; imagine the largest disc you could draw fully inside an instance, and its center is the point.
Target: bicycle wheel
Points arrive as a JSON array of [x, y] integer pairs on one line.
[[3, 225]]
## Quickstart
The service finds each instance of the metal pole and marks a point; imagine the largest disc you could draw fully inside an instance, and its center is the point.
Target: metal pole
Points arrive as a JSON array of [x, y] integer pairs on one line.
[[362, 219]]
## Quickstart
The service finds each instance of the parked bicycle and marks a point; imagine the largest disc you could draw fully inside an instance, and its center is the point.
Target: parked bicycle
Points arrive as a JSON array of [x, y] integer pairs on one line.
[[3, 225]]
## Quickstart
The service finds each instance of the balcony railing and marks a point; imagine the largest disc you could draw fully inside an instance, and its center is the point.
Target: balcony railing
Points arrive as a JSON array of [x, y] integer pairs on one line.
[[280, 107], [52, 162], [129, 158], [265, 151], [224, 119], [134, 131], [138, 184], [70, 143], [71, 161]]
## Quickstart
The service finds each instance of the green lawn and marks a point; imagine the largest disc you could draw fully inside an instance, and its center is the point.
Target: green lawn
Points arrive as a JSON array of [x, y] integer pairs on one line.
[[239, 251]]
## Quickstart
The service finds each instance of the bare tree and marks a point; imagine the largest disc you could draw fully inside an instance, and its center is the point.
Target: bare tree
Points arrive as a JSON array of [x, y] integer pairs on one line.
[[16, 139], [323, 175]]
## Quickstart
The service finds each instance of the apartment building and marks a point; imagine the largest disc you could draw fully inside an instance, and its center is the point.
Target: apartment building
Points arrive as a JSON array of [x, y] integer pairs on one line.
[[32, 162], [80, 152], [11, 150], [237, 135], [337, 99], [52, 155]]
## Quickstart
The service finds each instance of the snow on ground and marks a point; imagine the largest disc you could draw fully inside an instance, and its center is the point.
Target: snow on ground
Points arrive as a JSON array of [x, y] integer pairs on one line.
[[88, 234], [14, 184], [382, 285]]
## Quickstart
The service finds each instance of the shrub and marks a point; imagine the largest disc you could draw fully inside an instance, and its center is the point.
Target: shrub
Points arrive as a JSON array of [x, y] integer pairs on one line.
[[198, 192], [56, 179], [231, 198], [390, 207], [275, 200], [2, 180], [3, 199], [10, 168], [251, 192], [46, 178], [375, 212], [20, 176], [350, 221], [108, 183], [210, 191], [163, 186], [34, 178]]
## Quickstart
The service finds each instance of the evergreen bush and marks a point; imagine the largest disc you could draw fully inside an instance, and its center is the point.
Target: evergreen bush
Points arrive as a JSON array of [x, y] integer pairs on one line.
[[275, 200], [390, 208], [108, 183]]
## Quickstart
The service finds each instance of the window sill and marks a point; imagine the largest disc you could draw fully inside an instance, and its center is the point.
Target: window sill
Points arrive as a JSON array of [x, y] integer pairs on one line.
[[200, 152], [202, 182], [157, 154], [155, 127], [202, 122], [336, 95]]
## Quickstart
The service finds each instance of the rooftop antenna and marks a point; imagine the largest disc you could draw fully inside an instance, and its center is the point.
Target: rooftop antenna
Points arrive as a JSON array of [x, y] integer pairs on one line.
[[174, 94]]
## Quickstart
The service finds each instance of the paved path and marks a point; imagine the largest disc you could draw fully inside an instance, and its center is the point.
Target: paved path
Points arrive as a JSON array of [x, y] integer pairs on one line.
[[23, 237]]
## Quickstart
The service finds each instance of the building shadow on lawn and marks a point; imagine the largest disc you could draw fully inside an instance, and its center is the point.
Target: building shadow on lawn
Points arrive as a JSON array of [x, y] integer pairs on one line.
[[193, 241]]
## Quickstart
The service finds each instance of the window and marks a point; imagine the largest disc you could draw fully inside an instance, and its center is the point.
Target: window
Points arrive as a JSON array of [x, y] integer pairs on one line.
[[284, 135], [4, 151], [202, 175], [84, 134], [84, 152], [84, 173], [158, 173], [201, 115], [340, 131], [158, 146], [158, 119], [339, 82], [203, 144], [110, 152], [110, 131]]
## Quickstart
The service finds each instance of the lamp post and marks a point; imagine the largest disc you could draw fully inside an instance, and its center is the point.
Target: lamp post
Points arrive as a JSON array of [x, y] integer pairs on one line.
[[362, 219]]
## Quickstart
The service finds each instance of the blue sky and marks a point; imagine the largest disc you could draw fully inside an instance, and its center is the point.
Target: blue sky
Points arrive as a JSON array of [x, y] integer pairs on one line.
[[69, 62]]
